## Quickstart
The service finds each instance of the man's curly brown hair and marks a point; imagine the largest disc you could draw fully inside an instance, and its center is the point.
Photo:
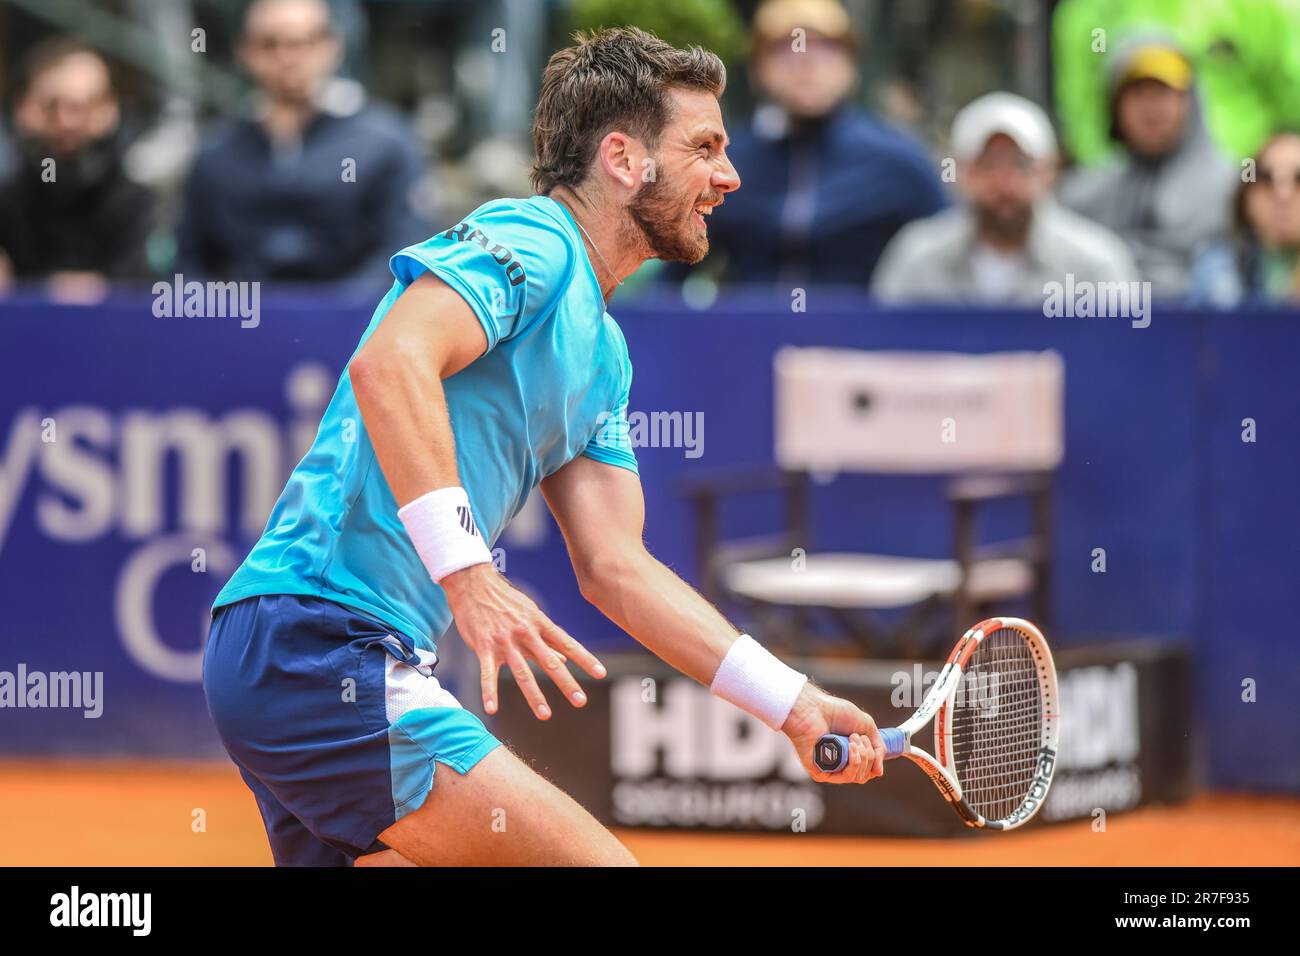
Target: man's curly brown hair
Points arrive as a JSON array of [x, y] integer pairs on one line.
[[612, 79]]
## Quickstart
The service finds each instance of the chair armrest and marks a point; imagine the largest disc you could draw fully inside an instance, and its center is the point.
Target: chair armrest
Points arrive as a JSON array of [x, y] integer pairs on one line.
[[1026, 548], [971, 489], [752, 548], [739, 479], [705, 491]]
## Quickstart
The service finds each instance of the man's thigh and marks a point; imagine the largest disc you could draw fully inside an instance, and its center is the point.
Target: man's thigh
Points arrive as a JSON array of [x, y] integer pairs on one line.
[[502, 813], [339, 720]]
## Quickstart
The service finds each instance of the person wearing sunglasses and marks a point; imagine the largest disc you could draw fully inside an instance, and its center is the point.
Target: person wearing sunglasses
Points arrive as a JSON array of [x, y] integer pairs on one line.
[[1260, 260]]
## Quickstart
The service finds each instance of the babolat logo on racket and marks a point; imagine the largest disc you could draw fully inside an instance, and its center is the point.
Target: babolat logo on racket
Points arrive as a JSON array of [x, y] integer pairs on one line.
[[467, 233], [1038, 788], [829, 751], [467, 520]]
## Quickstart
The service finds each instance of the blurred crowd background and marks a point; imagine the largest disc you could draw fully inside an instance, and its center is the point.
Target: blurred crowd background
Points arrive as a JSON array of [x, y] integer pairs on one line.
[[932, 150]]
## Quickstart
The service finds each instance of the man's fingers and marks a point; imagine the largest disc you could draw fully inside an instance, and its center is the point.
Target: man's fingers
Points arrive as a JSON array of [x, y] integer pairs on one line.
[[528, 685], [857, 768], [488, 667], [878, 745], [863, 773], [864, 726], [866, 746], [854, 767], [857, 761], [845, 774], [873, 735], [862, 765], [553, 666], [558, 638]]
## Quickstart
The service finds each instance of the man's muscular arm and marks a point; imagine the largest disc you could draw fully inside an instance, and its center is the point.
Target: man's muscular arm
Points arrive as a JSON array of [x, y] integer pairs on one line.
[[430, 334], [601, 511]]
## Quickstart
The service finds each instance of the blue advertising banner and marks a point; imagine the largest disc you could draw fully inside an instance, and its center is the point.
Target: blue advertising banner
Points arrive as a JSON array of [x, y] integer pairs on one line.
[[140, 454]]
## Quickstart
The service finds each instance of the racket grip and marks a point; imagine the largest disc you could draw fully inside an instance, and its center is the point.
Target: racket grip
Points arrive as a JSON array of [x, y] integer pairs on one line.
[[832, 751]]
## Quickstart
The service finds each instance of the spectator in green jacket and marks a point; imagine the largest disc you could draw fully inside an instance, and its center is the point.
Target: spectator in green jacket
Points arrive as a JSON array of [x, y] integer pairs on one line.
[[1246, 56]]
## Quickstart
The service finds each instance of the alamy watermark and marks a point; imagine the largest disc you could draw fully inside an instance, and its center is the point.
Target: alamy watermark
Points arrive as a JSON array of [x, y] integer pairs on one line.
[[977, 690], [1085, 299], [208, 300], [71, 690], [683, 430], [75, 908]]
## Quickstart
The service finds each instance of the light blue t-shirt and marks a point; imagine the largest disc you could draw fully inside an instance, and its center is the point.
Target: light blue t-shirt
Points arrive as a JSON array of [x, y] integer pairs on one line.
[[552, 385]]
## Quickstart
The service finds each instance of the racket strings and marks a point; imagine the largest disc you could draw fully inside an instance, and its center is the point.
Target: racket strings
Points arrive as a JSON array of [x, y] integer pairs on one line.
[[997, 724]]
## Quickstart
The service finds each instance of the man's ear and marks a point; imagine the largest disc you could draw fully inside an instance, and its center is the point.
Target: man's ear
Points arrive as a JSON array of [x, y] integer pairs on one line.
[[619, 156]]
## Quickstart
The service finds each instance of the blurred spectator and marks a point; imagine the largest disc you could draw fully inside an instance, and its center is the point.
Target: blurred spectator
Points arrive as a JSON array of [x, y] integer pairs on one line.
[[317, 184], [1261, 260], [825, 185], [1168, 194], [68, 213], [1246, 55], [1009, 238]]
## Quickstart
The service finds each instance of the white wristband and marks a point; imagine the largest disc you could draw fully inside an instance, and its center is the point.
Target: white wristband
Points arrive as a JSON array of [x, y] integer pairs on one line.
[[756, 681], [441, 525]]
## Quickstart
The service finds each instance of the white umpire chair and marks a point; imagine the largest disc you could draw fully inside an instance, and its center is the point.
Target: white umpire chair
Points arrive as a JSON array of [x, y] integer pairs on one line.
[[994, 424]]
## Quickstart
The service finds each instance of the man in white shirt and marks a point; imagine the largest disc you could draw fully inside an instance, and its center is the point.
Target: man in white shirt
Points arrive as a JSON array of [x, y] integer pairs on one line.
[[1009, 238]]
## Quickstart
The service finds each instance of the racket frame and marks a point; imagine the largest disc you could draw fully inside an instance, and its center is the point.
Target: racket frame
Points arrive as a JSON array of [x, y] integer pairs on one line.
[[938, 705], [832, 750]]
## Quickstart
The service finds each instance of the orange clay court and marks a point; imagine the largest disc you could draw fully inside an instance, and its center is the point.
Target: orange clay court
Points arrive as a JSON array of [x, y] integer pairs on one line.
[[119, 813]]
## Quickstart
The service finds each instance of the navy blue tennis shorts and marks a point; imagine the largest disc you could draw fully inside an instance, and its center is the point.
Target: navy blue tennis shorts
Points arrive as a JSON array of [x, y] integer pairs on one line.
[[335, 721]]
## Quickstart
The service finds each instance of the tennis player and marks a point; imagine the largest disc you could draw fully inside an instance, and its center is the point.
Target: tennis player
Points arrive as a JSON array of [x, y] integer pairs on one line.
[[490, 367]]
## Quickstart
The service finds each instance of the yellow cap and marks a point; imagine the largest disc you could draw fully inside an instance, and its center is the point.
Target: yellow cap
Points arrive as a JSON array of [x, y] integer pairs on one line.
[[777, 19], [1160, 63]]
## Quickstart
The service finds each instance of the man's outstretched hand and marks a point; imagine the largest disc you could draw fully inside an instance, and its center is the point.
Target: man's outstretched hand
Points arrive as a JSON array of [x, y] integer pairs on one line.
[[816, 713], [502, 625]]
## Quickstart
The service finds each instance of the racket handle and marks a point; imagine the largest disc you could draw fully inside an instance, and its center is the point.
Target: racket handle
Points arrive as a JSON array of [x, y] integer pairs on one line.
[[832, 752]]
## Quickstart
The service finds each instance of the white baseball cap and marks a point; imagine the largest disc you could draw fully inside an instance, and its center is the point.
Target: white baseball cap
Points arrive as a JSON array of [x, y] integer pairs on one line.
[[1014, 116]]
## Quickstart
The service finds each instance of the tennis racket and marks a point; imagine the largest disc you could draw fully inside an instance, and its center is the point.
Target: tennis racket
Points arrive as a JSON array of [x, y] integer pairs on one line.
[[997, 721]]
